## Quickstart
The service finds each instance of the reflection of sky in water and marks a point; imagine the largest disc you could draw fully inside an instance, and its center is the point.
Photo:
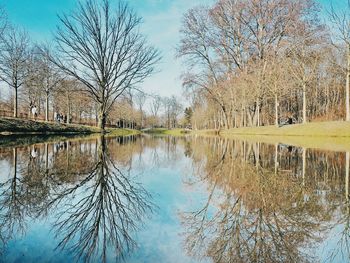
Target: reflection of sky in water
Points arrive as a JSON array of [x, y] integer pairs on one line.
[[4, 170], [162, 236], [161, 240]]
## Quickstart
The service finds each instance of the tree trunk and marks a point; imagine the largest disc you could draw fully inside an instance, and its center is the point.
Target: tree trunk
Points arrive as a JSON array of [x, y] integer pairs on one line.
[[226, 120], [68, 109], [47, 106], [15, 104], [101, 118], [249, 118], [304, 103], [276, 110], [347, 97], [141, 118], [168, 121], [243, 123], [258, 112]]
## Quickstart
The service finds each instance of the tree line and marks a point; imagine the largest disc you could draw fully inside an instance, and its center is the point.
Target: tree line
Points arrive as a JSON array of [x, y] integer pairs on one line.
[[253, 63], [98, 57]]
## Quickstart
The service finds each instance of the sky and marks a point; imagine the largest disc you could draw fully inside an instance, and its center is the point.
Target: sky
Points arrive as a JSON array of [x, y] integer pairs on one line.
[[162, 21], [161, 25]]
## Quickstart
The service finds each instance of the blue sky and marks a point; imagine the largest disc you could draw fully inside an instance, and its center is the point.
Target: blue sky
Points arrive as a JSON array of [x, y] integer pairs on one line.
[[162, 20]]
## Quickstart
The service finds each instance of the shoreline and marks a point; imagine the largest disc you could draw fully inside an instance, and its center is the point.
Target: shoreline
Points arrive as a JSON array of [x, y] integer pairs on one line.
[[21, 127], [332, 136], [329, 136], [312, 129]]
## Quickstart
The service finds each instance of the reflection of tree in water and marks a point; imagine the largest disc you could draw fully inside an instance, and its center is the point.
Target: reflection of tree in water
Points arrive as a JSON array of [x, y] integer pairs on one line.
[[12, 208], [111, 209], [98, 205], [255, 214], [343, 244]]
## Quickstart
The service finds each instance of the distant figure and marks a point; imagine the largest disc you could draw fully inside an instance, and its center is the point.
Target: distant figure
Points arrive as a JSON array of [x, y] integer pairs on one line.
[[55, 116], [59, 118], [34, 112]]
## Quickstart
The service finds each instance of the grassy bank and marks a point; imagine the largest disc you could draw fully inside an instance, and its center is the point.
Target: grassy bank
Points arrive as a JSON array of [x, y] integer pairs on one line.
[[20, 127], [319, 129], [121, 132], [333, 136], [173, 132], [21, 140], [338, 144]]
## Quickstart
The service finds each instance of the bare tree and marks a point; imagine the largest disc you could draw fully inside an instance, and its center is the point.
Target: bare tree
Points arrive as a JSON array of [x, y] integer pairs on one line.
[[155, 106], [341, 20], [103, 49], [156, 103], [140, 99], [14, 54], [47, 76], [66, 89]]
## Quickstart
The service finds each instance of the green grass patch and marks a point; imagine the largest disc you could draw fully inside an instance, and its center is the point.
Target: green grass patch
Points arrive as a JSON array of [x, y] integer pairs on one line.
[[121, 132], [322, 129], [19, 126], [173, 132], [20, 140], [332, 136]]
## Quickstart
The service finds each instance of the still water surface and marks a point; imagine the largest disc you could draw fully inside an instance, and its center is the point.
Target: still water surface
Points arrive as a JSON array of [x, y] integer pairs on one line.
[[166, 199]]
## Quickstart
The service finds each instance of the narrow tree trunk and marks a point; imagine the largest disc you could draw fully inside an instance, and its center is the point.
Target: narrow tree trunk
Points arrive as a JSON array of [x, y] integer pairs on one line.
[[15, 104], [101, 118], [249, 118], [168, 120], [47, 106], [235, 119], [242, 117], [347, 97], [226, 120], [68, 109], [258, 112], [304, 103], [141, 119], [276, 110]]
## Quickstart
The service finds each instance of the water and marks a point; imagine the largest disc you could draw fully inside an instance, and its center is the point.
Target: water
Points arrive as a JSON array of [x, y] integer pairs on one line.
[[167, 199]]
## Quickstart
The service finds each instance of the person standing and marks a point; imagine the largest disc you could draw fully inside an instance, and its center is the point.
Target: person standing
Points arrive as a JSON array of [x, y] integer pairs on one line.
[[34, 112]]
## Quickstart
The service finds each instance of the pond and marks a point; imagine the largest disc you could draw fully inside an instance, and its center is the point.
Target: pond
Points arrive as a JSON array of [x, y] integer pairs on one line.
[[171, 199]]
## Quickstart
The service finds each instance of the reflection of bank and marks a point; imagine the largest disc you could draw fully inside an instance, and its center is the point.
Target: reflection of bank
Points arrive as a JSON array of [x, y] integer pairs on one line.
[[347, 157], [269, 214], [34, 152], [342, 249], [99, 206]]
